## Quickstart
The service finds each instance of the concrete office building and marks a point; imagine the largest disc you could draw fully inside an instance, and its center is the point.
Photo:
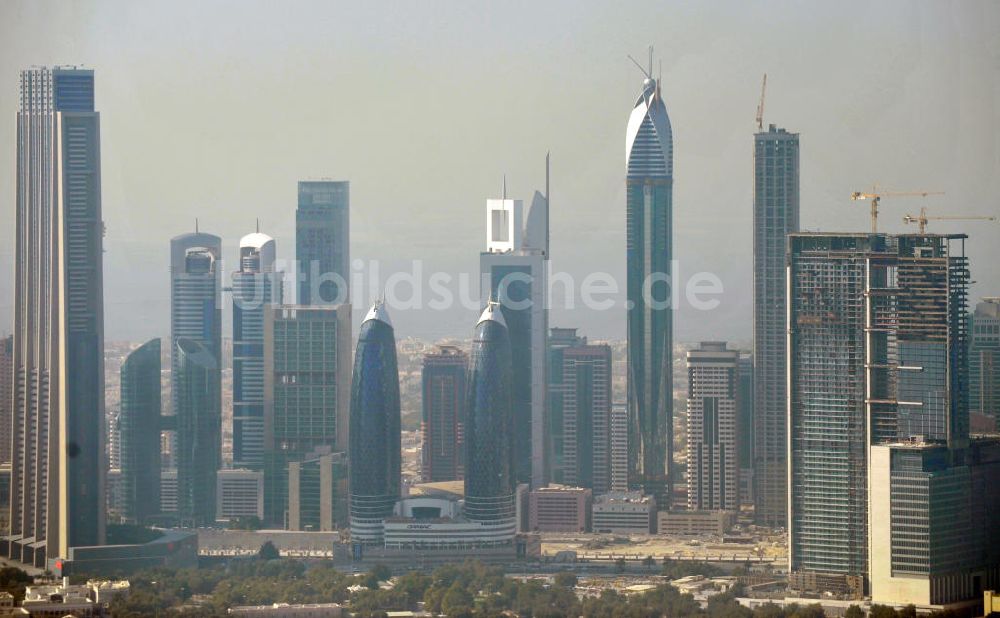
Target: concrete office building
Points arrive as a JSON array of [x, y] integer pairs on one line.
[[442, 425], [649, 163], [322, 242], [514, 273], [775, 216], [628, 513], [579, 411], [256, 287], [712, 448], [558, 508], [618, 454], [984, 358], [307, 378], [58, 423], [240, 495], [317, 492], [139, 425], [876, 353], [199, 432], [686, 523]]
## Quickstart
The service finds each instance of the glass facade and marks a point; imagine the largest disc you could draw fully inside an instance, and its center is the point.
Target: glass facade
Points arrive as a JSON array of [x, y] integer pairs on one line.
[[139, 433], [374, 429], [199, 432], [489, 438], [322, 227], [443, 423], [649, 240], [984, 359]]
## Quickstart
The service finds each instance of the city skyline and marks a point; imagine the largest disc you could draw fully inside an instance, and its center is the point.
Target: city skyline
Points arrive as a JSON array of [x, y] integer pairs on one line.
[[866, 100]]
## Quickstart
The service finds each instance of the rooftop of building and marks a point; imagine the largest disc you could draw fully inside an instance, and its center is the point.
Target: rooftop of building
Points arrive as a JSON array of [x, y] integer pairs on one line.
[[439, 489], [623, 497]]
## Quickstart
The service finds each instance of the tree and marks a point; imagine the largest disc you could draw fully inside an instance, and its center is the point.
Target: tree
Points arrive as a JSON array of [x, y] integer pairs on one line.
[[457, 601], [882, 611], [854, 611], [620, 565], [566, 579], [268, 551], [910, 611]]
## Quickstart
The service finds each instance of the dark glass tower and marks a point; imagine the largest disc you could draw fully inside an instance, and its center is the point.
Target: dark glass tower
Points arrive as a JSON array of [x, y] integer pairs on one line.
[[139, 426], [57, 451], [649, 184], [489, 425], [322, 228], [443, 424], [199, 432], [374, 428]]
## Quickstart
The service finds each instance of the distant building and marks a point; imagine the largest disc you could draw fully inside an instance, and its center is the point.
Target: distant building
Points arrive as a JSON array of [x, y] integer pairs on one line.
[[58, 421], [322, 242], [199, 432], [744, 428], [627, 513], [298, 610], [579, 411], [256, 286], [984, 359], [6, 395], [168, 491], [139, 424], [619, 447], [685, 523], [307, 392], [514, 268], [712, 449], [558, 508], [775, 216], [114, 493], [240, 494], [443, 422], [375, 466], [317, 492]]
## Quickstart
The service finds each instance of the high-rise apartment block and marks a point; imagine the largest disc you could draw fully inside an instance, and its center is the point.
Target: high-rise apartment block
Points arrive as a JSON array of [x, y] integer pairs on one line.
[[984, 358], [649, 163], [744, 428], [57, 448], [619, 453], [579, 411], [6, 395], [322, 242], [443, 422], [877, 353], [775, 216], [712, 447], [239, 495]]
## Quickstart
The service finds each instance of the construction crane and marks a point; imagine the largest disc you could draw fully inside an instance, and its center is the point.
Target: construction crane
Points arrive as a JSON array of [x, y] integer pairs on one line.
[[922, 220], [875, 196], [760, 105]]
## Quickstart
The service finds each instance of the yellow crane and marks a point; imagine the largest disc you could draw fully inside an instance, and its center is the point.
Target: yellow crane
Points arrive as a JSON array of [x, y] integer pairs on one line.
[[922, 220], [875, 196]]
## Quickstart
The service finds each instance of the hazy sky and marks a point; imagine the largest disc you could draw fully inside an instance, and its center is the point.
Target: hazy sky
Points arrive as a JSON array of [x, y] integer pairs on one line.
[[215, 110]]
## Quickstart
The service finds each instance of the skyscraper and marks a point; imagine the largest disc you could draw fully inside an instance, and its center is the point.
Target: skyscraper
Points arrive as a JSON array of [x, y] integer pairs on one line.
[[775, 216], [307, 391], [322, 233], [6, 395], [443, 422], [57, 454], [195, 302], [744, 428], [984, 358], [712, 449], [199, 432], [619, 447], [579, 411], [513, 270], [139, 424], [876, 353], [375, 464], [649, 165], [489, 438], [256, 286]]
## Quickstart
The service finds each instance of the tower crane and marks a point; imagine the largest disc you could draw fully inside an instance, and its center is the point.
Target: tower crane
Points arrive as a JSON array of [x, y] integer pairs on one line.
[[875, 196], [760, 105], [922, 219]]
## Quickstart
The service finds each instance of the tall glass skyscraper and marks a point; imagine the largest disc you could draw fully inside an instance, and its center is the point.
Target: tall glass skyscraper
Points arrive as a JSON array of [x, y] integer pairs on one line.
[[256, 286], [984, 358], [649, 164], [57, 471], [322, 242], [443, 423], [199, 432], [139, 424], [375, 464], [489, 427], [775, 216]]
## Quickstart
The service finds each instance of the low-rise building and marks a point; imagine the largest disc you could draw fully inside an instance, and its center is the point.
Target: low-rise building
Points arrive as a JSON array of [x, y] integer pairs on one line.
[[240, 494], [624, 512], [558, 508], [304, 610], [685, 523]]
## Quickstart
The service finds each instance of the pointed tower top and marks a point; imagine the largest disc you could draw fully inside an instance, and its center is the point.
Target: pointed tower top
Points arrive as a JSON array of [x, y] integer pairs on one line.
[[493, 313], [503, 187], [378, 312]]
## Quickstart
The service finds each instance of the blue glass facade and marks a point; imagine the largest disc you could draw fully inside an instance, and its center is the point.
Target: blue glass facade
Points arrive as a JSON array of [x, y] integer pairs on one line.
[[489, 437], [374, 429], [139, 429], [199, 432]]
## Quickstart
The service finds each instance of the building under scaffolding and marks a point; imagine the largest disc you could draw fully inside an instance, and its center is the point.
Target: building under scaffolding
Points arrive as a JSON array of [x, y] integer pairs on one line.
[[876, 353]]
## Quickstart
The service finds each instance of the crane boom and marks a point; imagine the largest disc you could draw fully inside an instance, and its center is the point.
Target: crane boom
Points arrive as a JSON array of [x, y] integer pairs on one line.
[[922, 219], [876, 196]]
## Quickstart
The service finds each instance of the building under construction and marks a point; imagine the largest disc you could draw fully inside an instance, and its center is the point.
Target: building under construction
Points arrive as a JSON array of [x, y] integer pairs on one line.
[[877, 352]]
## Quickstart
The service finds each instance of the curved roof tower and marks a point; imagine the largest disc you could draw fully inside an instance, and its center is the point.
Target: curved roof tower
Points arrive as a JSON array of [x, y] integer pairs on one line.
[[374, 428], [649, 142]]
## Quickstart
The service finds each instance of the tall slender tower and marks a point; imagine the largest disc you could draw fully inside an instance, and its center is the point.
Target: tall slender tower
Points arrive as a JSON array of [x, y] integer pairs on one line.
[[199, 432], [6, 394], [57, 471], [443, 424], [649, 164], [139, 424], [375, 465], [713, 404], [322, 235], [489, 442], [513, 271], [256, 287], [775, 216]]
